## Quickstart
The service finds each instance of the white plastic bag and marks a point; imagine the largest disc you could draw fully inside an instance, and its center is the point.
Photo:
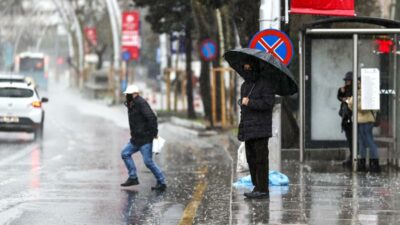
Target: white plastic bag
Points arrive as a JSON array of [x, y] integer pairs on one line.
[[242, 165], [158, 144]]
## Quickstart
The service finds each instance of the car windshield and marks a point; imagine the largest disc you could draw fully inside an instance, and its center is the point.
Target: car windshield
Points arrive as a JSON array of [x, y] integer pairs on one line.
[[11, 80], [15, 92]]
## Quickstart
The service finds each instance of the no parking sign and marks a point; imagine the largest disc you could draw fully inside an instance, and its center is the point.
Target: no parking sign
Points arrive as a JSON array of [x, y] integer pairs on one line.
[[208, 50], [274, 42]]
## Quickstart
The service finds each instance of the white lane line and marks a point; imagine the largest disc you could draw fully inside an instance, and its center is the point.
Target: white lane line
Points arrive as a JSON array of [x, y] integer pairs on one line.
[[57, 157]]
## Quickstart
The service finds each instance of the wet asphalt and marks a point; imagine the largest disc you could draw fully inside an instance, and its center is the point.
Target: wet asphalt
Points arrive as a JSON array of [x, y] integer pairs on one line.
[[73, 176]]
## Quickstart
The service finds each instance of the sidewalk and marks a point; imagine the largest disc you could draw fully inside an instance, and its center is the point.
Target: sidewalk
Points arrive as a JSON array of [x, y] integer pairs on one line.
[[324, 193]]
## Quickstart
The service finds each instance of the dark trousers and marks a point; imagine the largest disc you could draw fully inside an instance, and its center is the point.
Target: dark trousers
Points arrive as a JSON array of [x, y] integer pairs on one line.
[[348, 130], [257, 158]]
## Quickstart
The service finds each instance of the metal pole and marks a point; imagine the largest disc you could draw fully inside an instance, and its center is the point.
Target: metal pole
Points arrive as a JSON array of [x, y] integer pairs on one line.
[[270, 14], [114, 29], [394, 122], [116, 46], [286, 11], [355, 99], [301, 97], [117, 12], [79, 36], [270, 18]]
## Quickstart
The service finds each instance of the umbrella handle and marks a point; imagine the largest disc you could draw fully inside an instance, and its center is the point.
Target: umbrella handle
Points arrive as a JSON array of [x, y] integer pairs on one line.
[[251, 90]]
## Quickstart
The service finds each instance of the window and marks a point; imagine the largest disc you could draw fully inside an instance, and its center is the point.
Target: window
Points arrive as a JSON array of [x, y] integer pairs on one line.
[[15, 92]]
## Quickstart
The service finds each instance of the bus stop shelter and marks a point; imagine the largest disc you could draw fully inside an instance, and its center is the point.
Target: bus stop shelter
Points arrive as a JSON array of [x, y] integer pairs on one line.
[[326, 53]]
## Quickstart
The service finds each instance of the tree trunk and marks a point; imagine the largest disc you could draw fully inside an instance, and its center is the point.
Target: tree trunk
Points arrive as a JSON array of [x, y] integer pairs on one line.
[[203, 27], [189, 83]]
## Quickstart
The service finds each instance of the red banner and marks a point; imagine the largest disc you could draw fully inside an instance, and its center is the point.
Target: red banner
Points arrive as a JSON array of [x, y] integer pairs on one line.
[[130, 34], [323, 7]]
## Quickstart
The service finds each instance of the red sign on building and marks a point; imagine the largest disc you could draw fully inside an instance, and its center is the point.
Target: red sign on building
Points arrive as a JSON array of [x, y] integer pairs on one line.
[[130, 34], [323, 7], [91, 35]]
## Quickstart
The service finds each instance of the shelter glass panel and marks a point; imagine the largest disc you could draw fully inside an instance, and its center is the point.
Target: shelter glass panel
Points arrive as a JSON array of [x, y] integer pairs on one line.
[[331, 59]]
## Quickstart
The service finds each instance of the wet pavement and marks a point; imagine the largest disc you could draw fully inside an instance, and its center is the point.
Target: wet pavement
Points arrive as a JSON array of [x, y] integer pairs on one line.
[[324, 193], [73, 177]]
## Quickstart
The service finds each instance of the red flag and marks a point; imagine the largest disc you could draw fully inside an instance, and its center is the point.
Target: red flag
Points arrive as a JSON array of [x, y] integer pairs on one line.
[[323, 7]]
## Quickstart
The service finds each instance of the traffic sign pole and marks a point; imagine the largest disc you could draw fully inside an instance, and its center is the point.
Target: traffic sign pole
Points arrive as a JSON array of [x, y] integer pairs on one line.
[[270, 19]]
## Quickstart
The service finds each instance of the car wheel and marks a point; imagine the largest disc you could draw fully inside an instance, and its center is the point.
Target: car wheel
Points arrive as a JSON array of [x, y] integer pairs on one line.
[[38, 135]]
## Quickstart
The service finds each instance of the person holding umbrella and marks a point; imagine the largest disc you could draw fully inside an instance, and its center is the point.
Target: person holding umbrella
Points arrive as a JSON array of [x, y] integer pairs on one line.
[[264, 76], [255, 128]]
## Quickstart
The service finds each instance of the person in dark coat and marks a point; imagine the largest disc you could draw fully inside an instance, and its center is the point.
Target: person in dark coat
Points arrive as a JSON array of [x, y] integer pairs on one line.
[[345, 112], [255, 127], [143, 127]]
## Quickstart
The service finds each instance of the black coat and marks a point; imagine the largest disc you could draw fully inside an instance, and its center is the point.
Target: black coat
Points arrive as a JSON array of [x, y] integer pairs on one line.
[[142, 122], [256, 117], [348, 92]]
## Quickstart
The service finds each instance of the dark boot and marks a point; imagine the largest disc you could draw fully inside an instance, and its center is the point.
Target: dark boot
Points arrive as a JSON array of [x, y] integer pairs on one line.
[[361, 165], [130, 182], [247, 193], [159, 187], [374, 166], [258, 195]]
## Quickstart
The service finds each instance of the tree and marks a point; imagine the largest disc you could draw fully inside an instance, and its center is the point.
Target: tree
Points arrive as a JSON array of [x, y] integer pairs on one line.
[[206, 28], [94, 13], [247, 23], [168, 16]]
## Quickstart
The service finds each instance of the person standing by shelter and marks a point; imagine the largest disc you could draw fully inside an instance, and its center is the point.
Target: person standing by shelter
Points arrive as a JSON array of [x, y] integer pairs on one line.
[[264, 77], [365, 120], [255, 128], [347, 124]]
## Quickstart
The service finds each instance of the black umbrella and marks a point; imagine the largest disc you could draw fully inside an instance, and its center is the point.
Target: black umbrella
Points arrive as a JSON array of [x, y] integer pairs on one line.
[[269, 67]]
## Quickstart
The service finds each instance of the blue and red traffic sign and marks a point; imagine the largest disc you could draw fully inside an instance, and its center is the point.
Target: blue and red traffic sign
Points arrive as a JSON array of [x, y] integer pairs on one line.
[[208, 50], [274, 42]]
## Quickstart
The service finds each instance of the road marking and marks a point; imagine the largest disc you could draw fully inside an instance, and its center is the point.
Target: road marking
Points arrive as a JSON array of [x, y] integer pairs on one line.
[[190, 211], [58, 157]]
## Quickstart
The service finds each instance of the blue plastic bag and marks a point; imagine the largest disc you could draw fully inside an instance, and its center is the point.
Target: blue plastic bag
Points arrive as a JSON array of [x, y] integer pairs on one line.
[[275, 179]]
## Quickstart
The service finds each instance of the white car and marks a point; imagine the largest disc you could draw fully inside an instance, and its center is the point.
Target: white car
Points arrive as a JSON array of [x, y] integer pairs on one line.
[[21, 109]]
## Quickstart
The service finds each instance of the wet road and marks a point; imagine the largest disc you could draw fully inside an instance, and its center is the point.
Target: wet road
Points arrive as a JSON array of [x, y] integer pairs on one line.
[[73, 176]]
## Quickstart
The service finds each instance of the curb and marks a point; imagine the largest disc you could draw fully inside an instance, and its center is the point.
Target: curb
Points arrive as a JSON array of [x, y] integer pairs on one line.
[[192, 127]]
